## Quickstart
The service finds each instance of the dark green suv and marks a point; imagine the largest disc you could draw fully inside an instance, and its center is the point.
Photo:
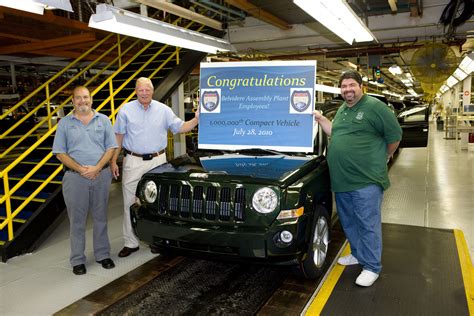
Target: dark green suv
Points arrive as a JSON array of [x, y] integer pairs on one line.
[[255, 205]]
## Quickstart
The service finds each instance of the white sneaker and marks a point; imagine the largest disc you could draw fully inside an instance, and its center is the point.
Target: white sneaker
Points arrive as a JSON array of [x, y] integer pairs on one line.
[[366, 278], [347, 260]]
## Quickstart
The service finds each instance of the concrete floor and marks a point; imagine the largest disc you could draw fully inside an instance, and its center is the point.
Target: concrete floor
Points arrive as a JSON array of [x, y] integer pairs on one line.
[[431, 187]]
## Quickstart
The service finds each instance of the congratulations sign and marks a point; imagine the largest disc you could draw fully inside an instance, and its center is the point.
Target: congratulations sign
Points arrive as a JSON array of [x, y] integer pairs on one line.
[[257, 105]]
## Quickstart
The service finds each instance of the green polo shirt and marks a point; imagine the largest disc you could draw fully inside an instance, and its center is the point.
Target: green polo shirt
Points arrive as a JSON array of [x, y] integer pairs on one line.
[[357, 154]]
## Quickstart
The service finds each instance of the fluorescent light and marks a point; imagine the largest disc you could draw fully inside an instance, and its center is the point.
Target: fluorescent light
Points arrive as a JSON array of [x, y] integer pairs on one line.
[[451, 81], [23, 5], [444, 88], [37, 6], [467, 64], [115, 20], [459, 74], [338, 17], [412, 92], [395, 70], [407, 82], [56, 4]]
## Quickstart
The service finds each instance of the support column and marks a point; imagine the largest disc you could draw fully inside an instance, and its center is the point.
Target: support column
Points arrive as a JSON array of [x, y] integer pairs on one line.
[[177, 104], [466, 91], [13, 77]]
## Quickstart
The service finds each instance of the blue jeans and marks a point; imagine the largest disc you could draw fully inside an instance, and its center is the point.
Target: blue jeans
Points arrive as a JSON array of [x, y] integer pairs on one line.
[[360, 215]]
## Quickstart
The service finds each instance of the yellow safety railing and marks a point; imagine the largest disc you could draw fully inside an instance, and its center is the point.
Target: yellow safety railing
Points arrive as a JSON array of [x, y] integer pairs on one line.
[[49, 96], [47, 84], [8, 192]]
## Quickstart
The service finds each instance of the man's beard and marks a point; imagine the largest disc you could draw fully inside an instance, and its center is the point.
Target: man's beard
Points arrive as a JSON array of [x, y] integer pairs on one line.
[[349, 96], [83, 108]]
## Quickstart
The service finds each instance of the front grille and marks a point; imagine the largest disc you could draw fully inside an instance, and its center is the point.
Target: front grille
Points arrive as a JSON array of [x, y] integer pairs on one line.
[[209, 203]]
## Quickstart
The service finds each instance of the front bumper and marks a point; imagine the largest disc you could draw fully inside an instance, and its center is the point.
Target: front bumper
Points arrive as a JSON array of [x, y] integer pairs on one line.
[[255, 244]]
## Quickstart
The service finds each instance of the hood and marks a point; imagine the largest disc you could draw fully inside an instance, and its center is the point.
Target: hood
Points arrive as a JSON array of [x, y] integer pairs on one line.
[[269, 167]]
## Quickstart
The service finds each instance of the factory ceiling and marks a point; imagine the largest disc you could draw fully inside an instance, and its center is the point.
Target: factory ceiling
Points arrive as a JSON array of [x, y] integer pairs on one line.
[[258, 29]]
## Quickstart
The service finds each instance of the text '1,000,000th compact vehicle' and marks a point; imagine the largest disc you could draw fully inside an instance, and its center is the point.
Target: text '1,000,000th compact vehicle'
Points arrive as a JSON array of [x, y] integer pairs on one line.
[[255, 206]]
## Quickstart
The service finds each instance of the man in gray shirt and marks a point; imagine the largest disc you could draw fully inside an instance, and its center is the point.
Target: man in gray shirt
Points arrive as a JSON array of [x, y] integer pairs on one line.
[[85, 143]]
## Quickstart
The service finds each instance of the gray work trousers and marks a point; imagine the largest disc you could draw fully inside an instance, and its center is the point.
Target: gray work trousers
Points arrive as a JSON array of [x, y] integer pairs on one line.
[[81, 196]]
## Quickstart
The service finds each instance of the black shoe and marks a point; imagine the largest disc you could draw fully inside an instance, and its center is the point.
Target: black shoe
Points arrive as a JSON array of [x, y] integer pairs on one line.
[[126, 251], [107, 263], [79, 269]]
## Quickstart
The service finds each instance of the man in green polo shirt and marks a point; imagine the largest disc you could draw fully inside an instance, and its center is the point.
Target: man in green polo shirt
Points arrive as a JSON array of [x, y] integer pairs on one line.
[[364, 134]]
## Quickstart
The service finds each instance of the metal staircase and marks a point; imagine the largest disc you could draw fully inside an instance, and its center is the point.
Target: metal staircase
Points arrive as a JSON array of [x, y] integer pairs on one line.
[[31, 202]]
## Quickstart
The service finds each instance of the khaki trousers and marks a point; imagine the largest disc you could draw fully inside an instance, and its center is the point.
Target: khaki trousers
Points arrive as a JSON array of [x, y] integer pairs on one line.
[[133, 169]]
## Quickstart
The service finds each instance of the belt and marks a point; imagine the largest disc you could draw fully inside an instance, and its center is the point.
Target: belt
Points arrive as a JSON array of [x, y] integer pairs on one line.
[[144, 156], [72, 170]]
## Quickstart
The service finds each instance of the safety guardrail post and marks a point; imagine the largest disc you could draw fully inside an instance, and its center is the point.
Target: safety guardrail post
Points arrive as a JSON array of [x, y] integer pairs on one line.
[[8, 206], [112, 104]]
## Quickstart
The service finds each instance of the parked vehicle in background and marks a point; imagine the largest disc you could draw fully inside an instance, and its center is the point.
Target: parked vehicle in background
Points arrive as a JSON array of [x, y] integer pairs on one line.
[[414, 123], [413, 120], [398, 105], [410, 103], [330, 107]]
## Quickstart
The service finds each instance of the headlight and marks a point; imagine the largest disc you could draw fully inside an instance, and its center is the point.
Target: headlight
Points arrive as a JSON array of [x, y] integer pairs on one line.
[[150, 191], [265, 200]]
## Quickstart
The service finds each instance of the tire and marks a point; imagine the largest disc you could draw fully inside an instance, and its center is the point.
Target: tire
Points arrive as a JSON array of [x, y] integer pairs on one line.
[[314, 261], [164, 253]]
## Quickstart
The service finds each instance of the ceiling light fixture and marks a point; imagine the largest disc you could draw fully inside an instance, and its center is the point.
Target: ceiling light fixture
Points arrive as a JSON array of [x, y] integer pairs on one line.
[[338, 17], [443, 88], [115, 20], [465, 68], [451, 81], [25, 5], [407, 82], [37, 6], [459, 74], [395, 70], [56, 4], [467, 64]]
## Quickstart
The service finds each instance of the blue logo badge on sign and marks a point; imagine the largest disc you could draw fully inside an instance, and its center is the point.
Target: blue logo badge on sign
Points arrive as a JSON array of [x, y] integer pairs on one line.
[[210, 100], [300, 100]]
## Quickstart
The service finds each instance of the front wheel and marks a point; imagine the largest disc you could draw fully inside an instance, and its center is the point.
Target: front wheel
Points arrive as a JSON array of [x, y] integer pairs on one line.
[[314, 261]]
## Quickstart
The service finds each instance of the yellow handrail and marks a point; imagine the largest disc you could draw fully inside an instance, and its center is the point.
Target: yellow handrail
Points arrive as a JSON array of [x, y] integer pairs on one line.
[[61, 106], [60, 89], [60, 73], [6, 198]]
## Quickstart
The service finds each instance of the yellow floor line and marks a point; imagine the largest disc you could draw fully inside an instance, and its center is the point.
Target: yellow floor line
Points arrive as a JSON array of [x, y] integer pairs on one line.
[[324, 293], [466, 268]]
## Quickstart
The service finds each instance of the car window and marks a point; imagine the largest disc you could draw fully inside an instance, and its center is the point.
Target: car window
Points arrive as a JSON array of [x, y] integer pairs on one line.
[[416, 114]]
